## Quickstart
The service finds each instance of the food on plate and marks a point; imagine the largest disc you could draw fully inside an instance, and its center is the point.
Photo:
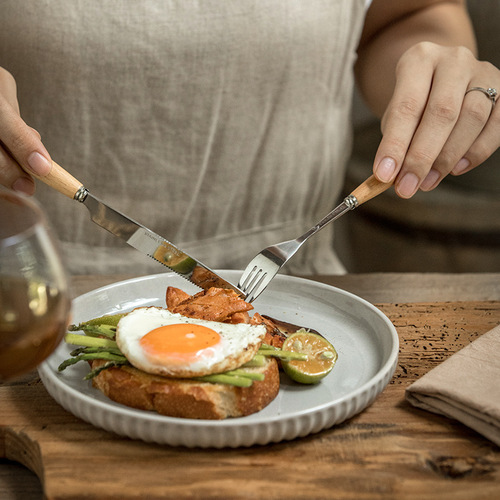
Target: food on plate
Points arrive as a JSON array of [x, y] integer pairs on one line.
[[190, 398], [321, 357], [159, 342], [203, 356], [214, 304]]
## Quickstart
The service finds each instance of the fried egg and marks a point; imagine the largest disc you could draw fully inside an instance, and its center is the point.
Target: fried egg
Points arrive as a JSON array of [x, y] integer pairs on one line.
[[159, 342]]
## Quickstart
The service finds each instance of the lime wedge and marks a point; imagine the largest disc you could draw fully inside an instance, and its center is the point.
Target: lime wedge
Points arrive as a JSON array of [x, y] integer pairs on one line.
[[321, 357]]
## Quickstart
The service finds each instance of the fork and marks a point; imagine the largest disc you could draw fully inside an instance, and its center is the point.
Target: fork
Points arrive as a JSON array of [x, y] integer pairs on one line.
[[267, 263]]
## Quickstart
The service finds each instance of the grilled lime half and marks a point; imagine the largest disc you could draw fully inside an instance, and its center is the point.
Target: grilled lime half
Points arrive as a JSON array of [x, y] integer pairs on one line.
[[321, 357]]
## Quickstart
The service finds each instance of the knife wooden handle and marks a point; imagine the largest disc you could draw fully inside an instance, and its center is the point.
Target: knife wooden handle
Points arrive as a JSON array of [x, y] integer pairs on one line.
[[61, 181], [369, 189]]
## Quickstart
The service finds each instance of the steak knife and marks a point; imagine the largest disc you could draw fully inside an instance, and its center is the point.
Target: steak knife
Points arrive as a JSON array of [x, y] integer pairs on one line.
[[135, 234]]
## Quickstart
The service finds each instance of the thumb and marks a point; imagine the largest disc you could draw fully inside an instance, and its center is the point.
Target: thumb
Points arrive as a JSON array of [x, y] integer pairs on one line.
[[22, 142]]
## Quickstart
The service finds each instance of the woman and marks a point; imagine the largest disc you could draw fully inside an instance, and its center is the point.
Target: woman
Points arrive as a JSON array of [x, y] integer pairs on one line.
[[222, 126]]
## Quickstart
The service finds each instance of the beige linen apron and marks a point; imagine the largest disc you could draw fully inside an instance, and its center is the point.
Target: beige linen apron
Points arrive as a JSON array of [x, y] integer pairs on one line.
[[221, 125]]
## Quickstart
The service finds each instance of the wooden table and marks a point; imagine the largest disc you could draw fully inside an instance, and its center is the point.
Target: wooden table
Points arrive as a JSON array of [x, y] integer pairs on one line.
[[389, 451]]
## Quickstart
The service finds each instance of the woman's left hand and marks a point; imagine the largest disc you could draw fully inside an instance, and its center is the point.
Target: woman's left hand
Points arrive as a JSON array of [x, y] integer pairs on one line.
[[435, 124]]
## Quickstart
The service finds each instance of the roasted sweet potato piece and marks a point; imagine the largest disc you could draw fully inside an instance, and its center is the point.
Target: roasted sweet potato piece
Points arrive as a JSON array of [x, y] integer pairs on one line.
[[274, 336], [239, 317], [175, 296], [214, 304], [205, 279]]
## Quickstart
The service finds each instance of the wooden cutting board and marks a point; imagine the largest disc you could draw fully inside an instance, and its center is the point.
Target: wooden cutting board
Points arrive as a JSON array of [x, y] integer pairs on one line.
[[390, 450]]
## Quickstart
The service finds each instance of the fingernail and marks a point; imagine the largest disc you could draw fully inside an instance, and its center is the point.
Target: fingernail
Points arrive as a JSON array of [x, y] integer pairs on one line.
[[24, 185], [461, 166], [39, 164], [429, 182], [385, 169], [407, 186]]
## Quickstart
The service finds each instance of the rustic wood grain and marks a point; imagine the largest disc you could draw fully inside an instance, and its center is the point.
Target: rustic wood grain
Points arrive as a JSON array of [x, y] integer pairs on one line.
[[389, 451]]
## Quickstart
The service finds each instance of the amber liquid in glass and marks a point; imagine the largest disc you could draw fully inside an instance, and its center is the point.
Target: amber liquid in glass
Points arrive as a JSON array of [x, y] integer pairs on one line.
[[33, 320]]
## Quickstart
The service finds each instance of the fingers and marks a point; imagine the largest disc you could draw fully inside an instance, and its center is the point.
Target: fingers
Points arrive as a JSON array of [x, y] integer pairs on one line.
[[22, 142], [487, 142], [8, 89], [470, 122], [432, 127], [463, 150], [437, 90], [21, 150], [401, 119], [13, 176]]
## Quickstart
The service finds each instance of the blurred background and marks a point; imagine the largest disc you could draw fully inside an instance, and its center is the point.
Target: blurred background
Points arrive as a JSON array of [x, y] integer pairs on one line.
[[455, 228]]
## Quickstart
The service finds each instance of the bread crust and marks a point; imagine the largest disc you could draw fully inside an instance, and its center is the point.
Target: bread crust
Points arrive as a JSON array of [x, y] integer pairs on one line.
[[185, 398]]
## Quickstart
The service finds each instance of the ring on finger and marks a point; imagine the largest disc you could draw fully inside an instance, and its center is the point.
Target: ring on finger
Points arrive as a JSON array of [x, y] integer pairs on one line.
[[491, 93]]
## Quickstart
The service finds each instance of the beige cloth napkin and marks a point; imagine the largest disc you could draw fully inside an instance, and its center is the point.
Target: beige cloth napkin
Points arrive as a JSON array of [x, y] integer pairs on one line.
[[465, 387]]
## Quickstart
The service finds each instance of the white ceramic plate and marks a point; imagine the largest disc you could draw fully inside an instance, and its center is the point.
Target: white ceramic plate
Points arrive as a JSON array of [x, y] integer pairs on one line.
[[366, 341]]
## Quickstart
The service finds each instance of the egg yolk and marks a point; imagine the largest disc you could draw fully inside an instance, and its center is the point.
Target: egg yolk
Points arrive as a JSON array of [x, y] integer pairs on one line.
[[181, 340]]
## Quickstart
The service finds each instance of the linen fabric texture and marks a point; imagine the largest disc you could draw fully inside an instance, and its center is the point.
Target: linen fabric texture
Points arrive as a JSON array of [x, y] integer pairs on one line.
[[222, 126]]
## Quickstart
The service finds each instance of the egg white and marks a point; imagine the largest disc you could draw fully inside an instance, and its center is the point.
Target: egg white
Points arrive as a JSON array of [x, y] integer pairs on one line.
[[238, 345]]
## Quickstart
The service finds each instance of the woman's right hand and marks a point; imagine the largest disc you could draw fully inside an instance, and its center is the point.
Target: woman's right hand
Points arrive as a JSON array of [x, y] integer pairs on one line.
[[21, 150]]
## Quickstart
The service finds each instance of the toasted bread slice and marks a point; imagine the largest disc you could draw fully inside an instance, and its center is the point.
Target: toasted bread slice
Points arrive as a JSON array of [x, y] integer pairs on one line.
[[187, 398]]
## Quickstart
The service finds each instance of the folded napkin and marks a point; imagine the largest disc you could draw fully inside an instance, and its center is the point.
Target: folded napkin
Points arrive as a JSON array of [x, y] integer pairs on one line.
[[465, 387]]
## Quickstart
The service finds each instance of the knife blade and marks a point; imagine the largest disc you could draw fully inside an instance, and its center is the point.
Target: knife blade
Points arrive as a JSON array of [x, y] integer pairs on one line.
[[135, 234]]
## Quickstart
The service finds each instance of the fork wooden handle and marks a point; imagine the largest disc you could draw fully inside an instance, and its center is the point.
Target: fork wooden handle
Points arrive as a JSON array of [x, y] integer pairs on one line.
[[61, 181], [369, 189]]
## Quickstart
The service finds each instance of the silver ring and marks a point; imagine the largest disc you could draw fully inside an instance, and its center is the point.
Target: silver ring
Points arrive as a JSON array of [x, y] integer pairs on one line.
[[490, 93]]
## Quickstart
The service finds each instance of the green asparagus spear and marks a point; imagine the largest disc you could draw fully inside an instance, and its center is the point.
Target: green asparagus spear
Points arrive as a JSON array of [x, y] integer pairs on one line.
[[84, 340], [89, 356], [287, 355], [223, 378], [110, 364], [109, 319]]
